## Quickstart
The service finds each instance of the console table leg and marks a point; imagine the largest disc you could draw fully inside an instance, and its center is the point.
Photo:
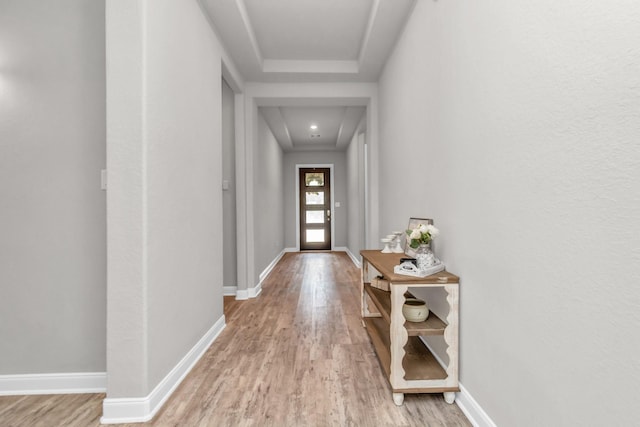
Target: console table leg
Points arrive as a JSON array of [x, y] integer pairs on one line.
[[398, 398], [449, 397]]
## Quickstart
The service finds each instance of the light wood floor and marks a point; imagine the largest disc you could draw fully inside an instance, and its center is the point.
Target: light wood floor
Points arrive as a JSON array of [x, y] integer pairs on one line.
[[295, 356]]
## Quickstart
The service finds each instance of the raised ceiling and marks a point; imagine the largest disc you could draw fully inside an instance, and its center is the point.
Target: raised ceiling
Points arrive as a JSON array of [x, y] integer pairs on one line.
[[309, 40], [292, 126], [303, 33], [304, 41]]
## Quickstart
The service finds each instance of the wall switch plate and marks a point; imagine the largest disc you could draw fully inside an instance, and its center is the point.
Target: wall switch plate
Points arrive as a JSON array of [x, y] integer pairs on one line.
[[103, 179], [225, 184], [337, 204]]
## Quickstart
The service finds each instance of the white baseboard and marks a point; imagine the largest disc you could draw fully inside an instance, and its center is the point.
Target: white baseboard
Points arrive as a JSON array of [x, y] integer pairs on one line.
[[68, 383], [270, 267], [467, 404], [244, 294], [141, 409], [355, 259], [291, 250], [255, 291], [229, 291], [474, 412]]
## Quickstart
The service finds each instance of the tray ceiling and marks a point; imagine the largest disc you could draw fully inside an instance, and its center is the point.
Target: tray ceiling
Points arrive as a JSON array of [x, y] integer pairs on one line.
[[309, 40]]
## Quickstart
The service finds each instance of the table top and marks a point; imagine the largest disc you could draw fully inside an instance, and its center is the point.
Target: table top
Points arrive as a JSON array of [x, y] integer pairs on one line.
[[384, 263]]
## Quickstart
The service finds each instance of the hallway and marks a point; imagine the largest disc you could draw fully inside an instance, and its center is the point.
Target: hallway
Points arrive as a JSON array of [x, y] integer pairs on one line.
[[295, 356]]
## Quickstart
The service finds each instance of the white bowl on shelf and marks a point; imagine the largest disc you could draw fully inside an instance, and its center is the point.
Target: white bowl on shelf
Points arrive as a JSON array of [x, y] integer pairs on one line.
[[415, 310]]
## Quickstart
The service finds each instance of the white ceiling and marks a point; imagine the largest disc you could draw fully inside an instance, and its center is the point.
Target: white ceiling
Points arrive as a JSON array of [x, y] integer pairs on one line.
[[294, 29], [309, 41], [292, 126]]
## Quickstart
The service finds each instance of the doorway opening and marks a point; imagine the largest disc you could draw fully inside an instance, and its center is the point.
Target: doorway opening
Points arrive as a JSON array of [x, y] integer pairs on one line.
[[229, 211], [315, 213]]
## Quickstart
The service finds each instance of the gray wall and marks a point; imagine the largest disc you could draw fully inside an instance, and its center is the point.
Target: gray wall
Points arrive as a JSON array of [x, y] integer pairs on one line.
[[165, 199], [52, 147], [269, 197], [230, 261], [338, 159], [517, 126], [355, 191]]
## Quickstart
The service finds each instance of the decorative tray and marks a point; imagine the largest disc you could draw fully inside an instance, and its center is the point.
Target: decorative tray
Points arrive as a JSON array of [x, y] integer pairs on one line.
[[409, 269]]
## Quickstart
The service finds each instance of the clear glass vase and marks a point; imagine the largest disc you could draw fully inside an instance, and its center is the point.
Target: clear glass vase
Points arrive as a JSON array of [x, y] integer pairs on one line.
[[425, 257]]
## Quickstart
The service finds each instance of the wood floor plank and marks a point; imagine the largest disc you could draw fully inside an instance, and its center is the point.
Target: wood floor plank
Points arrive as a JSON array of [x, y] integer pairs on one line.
[[295, 356]]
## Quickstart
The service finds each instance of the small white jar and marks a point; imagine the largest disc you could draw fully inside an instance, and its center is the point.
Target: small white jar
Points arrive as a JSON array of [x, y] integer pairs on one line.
[[415, 310]]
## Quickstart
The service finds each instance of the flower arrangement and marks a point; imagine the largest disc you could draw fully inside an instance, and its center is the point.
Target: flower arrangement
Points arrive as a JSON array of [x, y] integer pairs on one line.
[[422, 234]]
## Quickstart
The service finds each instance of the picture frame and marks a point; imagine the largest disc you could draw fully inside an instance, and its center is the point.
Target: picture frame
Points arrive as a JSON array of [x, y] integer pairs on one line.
[[414, 223]]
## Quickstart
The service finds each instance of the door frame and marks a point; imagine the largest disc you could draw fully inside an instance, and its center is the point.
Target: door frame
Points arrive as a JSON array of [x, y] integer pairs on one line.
[[331, 182]]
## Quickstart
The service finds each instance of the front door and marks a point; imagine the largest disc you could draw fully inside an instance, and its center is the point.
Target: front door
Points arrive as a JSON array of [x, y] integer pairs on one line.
[[315, 209]]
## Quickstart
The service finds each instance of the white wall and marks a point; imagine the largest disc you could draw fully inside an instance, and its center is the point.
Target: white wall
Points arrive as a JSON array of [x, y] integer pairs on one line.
[[52, 147], [338, 159], [517, 125], [230, 260], [268, 199], [165, 201]]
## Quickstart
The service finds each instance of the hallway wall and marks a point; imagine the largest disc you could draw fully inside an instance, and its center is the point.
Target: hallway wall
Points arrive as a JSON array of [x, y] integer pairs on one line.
[[338, 159], [53, 212], [516, 126], [269, 199], [355, 190], [165, 200]]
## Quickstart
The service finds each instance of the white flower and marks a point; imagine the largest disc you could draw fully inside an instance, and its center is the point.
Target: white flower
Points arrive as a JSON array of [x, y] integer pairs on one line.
[[423, 228], [432, 230], [415, 234]]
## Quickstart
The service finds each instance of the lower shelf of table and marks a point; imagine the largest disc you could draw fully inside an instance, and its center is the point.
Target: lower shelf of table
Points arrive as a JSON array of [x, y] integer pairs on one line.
[[418, 362]]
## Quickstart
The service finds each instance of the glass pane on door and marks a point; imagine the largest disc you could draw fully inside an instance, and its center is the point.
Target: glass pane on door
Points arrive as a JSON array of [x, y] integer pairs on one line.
[[315, 217], [314, 198], [315, 236], [315, 179]]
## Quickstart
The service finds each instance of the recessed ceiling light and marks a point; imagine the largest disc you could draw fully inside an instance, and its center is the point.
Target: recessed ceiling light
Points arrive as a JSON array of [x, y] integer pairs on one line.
[[313, 127]]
